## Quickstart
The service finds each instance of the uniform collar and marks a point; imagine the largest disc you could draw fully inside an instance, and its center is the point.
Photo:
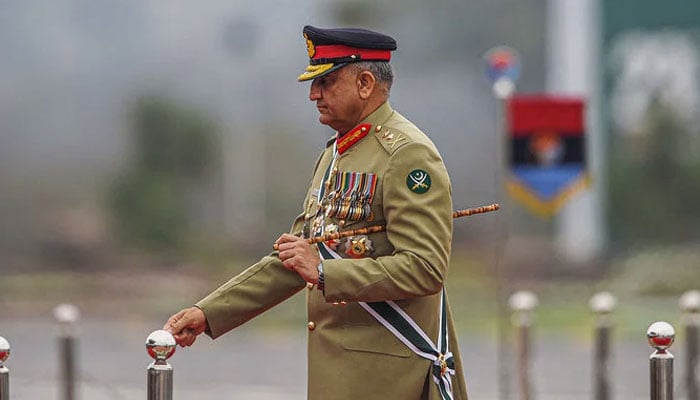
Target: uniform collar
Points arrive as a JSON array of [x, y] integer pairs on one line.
[[381, 114]]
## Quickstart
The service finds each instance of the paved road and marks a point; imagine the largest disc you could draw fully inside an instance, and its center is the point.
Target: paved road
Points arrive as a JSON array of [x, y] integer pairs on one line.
[[248, 364]]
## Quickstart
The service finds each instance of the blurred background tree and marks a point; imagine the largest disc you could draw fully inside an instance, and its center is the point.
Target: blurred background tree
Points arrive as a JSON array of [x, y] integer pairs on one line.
[[652, 59], [655, 183], [174, 157]]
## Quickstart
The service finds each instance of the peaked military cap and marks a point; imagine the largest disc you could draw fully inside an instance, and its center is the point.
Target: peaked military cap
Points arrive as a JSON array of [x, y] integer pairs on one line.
[[331, 49]]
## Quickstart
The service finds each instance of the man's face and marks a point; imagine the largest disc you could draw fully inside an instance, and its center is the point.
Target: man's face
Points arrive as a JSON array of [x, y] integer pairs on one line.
[[337, 99]]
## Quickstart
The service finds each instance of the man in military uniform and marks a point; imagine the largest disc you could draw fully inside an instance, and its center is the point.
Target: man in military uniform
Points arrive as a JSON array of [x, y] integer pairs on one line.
[[379, 322]]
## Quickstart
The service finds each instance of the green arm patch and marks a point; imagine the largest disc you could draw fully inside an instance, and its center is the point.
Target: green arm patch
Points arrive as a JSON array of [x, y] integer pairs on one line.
[[418, 181]]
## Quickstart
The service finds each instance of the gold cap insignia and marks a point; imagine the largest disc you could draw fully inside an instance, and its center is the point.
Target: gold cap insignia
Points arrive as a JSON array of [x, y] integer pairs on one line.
[[310, 48]]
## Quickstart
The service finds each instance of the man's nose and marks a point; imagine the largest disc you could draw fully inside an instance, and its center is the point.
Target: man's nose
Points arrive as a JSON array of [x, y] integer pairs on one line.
[[314, 92]]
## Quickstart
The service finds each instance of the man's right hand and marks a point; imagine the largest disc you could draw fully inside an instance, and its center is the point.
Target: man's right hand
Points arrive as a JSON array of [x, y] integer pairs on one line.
[[186, 325]]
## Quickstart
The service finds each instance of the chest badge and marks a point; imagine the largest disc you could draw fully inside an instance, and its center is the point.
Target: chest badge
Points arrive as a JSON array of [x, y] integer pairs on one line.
[[418, 181], [331, 230], [358, 246]]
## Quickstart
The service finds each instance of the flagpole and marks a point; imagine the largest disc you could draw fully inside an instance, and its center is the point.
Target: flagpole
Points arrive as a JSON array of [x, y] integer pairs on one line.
[[502, 284], [503, 68]]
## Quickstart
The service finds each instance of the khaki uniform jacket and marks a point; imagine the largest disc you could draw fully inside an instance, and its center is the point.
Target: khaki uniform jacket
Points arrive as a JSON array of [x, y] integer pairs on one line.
[[351, 356]]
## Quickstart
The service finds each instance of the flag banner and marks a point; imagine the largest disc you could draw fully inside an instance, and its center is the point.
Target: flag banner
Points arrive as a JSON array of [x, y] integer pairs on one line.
[[547, 161]]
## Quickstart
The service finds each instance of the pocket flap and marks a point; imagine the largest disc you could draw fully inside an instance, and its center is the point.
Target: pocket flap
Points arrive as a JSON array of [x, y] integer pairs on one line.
[[373, 339]]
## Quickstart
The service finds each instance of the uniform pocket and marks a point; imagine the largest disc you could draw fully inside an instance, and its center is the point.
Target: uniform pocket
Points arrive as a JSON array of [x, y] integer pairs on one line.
[[373, 339]]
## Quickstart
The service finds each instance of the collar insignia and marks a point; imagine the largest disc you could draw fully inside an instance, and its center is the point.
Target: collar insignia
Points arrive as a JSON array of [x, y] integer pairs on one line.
[[349, 139]]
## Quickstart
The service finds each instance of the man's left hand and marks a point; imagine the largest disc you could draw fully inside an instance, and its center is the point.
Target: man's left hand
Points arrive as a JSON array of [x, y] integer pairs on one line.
[[298, 255]]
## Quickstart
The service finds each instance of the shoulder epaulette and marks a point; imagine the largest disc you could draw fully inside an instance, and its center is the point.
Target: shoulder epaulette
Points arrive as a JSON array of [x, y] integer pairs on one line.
[[391, 138]]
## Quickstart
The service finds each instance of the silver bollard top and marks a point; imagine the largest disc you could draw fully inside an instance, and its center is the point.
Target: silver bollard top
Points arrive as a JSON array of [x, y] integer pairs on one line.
[[66, 313], [4, 350], [661, 335], [603, 303], [523, 301], [160, 345], [690, 301]]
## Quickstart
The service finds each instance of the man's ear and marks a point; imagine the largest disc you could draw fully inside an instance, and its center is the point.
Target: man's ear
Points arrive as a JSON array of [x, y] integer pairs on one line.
[[366, 84]]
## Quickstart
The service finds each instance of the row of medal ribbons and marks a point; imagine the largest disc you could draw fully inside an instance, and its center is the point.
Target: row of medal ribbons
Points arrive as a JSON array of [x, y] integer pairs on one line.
[[352, 195]]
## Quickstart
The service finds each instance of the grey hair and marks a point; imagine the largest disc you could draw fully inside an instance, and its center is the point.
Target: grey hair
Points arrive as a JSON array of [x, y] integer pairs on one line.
[[381, 70]]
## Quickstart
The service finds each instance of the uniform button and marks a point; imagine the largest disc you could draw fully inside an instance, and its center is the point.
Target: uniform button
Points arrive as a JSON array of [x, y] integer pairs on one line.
[[309, 285], [341, 222], [378, 128], [363, 129], [311, 325]]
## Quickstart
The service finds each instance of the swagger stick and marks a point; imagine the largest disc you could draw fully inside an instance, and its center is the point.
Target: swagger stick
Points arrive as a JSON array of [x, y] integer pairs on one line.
[[379, 228]]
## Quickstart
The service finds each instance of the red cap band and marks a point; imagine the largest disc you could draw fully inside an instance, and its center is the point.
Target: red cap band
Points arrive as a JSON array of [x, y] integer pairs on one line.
[[341, 51]]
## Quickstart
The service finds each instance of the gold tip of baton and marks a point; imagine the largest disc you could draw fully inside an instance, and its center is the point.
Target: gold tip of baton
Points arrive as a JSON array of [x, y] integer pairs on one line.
[[476, 210], [378, 228]]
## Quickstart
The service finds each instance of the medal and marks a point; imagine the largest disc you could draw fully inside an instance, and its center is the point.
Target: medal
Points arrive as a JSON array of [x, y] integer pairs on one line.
[[331, 229], [358, 246]]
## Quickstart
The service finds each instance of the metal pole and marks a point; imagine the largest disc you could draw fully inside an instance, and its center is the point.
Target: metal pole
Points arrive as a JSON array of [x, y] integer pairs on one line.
[[660, 336], [502, 92], [690, 304], [4, 372], [523, 303], [160, 345], [503, 68], [67, 316], [602, 304]]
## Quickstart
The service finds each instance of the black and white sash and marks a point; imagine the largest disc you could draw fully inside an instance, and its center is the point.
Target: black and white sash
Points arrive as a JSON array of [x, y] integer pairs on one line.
[[389, 314]]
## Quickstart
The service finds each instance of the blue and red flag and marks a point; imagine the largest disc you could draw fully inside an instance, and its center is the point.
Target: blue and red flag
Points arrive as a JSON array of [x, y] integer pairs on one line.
[[502, 63], [547, 150]]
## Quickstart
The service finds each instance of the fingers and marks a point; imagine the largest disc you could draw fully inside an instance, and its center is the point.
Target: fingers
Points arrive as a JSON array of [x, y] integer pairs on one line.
[[288, 247], [175, 323], [283, 241], [288, 242], [290, 264], [298, 255], [186, 325], [293, 255], [185, 338]]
